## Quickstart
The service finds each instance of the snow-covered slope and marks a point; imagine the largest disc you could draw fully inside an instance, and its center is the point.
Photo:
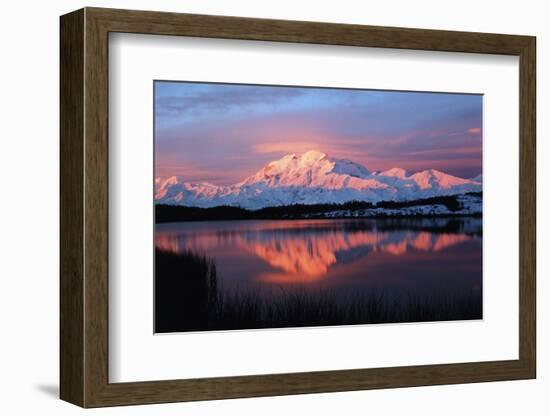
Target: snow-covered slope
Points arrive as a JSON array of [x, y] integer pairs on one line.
[[313, 178], [478, 178]]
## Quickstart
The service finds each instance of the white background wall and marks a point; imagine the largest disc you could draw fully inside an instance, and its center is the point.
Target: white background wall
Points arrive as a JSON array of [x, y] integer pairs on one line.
[[29, 211]]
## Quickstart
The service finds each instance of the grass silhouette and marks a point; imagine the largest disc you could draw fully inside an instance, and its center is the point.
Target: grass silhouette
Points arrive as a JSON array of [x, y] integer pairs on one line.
[[187, 298]]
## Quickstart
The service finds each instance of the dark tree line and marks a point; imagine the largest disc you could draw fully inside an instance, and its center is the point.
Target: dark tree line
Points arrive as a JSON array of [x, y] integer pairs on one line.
[[175, 213]]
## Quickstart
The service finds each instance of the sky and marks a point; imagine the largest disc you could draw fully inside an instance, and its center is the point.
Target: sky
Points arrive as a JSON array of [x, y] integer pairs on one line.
[[223, 133]]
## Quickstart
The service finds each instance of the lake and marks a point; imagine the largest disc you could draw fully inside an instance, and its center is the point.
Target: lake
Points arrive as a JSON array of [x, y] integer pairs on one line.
[[279, 273]]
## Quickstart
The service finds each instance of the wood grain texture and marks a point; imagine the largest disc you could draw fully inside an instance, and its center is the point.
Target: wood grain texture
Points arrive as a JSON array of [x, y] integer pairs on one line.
[[71, 208], [96, 219], [527, 207], [84, 207], [162, 23]]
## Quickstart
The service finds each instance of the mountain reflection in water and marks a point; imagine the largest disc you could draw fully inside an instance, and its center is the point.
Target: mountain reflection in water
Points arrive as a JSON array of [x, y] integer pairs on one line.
[[266, 274], [305, 251]]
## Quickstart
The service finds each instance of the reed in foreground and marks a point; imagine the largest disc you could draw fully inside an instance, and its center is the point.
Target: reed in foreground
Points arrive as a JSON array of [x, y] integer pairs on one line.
[[187, 298]]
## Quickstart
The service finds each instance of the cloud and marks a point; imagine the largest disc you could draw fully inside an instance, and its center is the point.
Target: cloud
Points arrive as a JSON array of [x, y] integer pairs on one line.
[[185, 98], [223, 133], [288, 147]]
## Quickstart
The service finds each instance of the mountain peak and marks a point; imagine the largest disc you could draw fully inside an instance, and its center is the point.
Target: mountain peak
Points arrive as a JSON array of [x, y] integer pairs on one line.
[[312, 156], [313, 178], [433, 177], [396, 172]]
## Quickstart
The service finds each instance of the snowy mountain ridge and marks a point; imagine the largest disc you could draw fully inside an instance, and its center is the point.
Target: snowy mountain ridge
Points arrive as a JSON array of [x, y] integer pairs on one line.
[[313, 178]]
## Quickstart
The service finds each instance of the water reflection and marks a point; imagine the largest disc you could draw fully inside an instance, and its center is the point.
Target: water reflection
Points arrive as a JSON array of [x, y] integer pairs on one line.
[[305, 250], [259, 274]]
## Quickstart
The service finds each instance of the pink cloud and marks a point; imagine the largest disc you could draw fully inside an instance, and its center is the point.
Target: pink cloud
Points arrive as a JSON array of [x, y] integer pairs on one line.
[[474, 130], [288, 147]]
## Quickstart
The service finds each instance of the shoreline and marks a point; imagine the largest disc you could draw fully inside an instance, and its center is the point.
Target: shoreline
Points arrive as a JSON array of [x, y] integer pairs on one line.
[[452, 206], [312, 218]]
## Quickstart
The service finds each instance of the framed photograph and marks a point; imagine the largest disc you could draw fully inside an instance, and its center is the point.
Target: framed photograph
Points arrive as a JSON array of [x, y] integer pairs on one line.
[[255, 207]]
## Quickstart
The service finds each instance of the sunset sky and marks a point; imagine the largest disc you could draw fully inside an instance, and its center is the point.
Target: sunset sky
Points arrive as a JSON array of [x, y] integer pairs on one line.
[[222, 133]]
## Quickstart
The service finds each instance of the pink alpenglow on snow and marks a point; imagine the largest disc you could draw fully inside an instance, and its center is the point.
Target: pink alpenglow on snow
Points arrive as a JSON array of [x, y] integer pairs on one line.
[[313, 177], [351, 200]]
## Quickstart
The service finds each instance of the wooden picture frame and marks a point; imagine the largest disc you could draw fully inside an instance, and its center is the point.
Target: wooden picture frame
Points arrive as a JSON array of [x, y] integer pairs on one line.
[[84, 207]]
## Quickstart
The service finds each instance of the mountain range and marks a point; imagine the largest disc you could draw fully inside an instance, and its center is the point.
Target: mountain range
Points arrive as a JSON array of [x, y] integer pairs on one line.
[[313, 178]]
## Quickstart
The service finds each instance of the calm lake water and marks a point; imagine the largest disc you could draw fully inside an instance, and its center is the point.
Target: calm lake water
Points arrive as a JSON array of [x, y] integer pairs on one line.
[[397, 257]]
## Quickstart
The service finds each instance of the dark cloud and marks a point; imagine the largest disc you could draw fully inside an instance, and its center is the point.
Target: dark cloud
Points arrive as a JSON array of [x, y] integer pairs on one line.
[[225, 98], [223, 133]]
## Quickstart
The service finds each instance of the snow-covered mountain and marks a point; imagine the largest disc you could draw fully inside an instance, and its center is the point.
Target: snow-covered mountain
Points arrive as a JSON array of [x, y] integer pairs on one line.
[[313, 178], [478, 178]]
